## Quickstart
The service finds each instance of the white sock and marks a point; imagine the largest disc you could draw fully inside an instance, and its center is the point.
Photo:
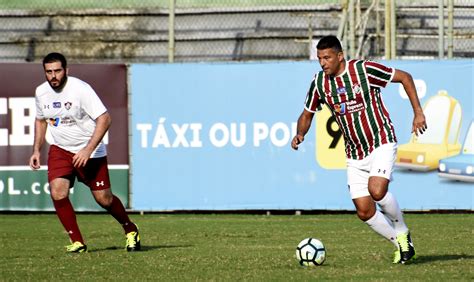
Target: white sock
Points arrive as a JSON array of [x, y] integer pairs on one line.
[[389, 206], [379, 224]]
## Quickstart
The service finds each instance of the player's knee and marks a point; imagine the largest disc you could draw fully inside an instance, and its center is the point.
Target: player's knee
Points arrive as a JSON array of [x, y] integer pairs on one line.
[[378, 194], [104, 201], [365, 214], [58, 194], [378, 189]]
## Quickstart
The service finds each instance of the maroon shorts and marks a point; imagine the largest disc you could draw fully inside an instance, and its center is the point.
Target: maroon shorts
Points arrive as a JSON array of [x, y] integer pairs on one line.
[[94, 174]]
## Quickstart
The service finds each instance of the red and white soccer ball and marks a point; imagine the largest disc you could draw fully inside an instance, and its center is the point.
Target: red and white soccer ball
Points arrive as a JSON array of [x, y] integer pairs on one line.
[[310, 252]]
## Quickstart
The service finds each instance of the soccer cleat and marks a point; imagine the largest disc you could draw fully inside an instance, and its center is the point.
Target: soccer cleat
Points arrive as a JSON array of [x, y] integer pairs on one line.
[[133, 241], [76, 247], [407, 250], [396, 256]]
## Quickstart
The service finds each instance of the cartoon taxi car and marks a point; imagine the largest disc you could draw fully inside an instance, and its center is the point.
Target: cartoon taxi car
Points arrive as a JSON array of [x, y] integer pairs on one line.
[[460, 167], [443, 117]]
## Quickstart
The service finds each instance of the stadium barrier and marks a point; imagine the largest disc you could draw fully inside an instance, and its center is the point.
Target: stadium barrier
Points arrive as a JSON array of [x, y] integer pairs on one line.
[[216, 137]]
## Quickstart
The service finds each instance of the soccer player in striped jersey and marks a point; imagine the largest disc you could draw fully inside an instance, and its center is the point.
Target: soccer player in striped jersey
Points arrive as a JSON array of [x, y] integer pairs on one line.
[[351, 91]]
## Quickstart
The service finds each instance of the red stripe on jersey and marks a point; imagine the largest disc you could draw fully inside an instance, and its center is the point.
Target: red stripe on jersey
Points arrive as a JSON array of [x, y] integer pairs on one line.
[[326, 87], [315, 99], [385, 112], [377, 82], [365, 123], [378, 118], [349, 123], [379, 66]]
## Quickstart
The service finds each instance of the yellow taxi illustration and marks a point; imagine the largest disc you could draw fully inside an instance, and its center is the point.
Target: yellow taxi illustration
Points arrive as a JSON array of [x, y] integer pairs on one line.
[[443, 117]]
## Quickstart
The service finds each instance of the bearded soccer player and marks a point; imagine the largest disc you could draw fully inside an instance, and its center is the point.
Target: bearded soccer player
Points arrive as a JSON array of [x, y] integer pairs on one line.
[[77, 121], [351, 91]]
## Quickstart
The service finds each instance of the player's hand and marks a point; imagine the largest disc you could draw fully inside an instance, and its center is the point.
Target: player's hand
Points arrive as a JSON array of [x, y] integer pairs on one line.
[[419, 124], [80, 159], [296, 141], [35, 161]]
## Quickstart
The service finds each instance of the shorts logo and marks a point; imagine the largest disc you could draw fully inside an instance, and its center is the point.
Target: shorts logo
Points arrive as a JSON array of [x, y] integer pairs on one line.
[[67, 105], [56, 105], [54, 121], [99, 183]]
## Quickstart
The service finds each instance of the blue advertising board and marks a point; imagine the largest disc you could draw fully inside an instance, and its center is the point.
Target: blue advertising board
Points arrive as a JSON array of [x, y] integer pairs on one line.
[[217, 137]]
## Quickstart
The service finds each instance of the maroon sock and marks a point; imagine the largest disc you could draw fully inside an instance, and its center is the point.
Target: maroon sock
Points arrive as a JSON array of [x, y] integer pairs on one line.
[[67, 216], [117, 210]]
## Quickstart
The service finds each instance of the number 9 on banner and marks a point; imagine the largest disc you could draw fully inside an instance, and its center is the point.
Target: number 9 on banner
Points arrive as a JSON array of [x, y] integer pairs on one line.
[[330, 152]]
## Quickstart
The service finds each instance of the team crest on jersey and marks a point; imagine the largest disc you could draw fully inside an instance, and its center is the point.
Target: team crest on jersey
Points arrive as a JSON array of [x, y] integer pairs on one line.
[[56, 105], [54, 121], [356, 88], [67, 105]]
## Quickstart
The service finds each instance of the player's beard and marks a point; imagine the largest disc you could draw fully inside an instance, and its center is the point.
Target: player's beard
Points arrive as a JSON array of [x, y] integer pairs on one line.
[[61, 84]]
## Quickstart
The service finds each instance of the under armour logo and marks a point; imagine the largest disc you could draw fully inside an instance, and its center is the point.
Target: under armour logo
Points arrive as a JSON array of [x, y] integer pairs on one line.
[[383, 171], [101, 183]]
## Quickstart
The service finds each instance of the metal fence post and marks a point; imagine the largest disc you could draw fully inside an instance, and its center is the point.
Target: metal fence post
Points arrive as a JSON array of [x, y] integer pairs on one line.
[[378, 31], [171, 50], [351, 29], [450, 28], [393, 30], [388, 33], [343, 22], [441, 29]]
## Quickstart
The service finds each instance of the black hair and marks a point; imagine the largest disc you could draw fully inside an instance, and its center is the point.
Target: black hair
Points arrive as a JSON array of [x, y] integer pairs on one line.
[[329, 41], [55, 57]]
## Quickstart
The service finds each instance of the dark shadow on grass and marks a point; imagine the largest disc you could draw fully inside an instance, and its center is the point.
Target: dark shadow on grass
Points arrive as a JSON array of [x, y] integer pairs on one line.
[[428, 259], [143, 249]]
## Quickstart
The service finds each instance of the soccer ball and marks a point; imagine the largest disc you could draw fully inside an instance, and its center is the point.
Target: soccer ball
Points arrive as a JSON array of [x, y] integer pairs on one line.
[[310, 252]]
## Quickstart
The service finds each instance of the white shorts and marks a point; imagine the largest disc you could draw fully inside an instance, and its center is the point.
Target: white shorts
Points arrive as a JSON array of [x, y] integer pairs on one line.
[[379, 163]]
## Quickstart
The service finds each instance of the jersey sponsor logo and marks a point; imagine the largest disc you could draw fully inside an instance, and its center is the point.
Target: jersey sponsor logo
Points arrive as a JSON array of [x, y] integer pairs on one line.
[[350, 106], [341, 90], [54, 121], [67, 105], [340, 109], [68, 121], [56, 105]]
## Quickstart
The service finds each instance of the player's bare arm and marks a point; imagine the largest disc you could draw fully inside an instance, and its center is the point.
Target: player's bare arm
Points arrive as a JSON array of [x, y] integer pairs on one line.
[[419, 122], [102, 125], [304, 123], [40, 133]]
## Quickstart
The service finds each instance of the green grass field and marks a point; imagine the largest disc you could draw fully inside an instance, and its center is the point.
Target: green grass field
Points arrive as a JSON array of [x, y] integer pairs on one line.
[[232, 247]]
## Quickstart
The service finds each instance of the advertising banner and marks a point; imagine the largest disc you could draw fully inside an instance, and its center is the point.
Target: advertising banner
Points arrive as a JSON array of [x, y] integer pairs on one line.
[[217, 137], [24, 189]]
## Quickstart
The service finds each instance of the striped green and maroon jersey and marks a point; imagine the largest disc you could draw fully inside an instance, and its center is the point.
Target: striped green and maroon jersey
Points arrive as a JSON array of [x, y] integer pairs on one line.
[[355, 101]]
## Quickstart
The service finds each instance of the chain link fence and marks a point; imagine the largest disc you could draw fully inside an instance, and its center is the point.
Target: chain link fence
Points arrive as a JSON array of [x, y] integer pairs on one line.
[[228, 30]]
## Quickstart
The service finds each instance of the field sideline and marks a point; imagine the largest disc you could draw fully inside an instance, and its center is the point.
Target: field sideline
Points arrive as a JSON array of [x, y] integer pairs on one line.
[[232, 247]]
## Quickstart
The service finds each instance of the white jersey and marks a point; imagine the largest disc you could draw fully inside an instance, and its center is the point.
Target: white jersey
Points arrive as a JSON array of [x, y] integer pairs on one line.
[[70, 114]]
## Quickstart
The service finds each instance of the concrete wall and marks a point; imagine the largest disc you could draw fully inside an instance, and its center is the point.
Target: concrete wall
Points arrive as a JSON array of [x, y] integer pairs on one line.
[[141, 35]]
